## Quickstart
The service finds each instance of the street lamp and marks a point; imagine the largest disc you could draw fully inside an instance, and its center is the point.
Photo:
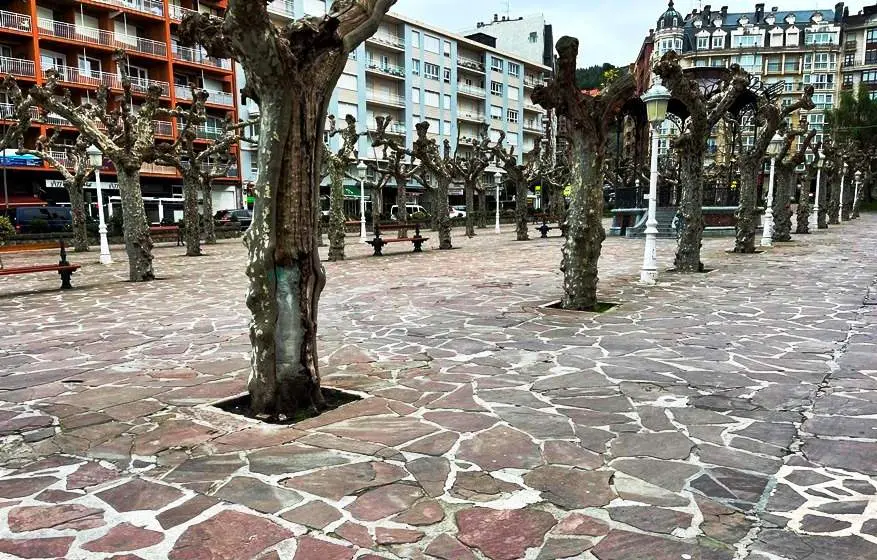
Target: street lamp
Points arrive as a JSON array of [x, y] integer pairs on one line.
[[360, 170], [814, 216], [776, 146], [840, 207], [498, 179], [96, 159], [656, 100], [856, 193]]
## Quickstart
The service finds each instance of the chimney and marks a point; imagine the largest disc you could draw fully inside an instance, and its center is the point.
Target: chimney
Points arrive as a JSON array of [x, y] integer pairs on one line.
[[495, 17], [838, 12], [724, 12], [759, 12], [706, 11]]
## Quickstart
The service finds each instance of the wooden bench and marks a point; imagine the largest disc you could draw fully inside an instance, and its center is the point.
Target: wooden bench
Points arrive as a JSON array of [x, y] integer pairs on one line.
[[168, 230], [63, 268], [378, 242]]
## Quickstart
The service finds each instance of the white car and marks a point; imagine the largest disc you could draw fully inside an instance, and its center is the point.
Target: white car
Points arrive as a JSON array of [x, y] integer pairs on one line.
[[409, 209], [457, 212]]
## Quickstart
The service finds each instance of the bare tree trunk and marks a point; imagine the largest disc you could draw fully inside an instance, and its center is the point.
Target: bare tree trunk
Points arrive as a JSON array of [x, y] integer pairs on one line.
[[470, 210], [138, 243], [849, 193], [442, 213], [286, 277], [377, 206], [336, 214], [747, 214], [77, 211], [320, 241], [191, 184], [521, 192], [207, 212], [824, 196], [834, 200], [782, 207], [691, 177], [803, 214], [402, 205], [482, 208]]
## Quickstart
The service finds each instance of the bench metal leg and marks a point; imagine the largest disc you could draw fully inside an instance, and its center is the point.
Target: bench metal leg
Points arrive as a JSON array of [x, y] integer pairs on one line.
[[418, 245], [66, 275]]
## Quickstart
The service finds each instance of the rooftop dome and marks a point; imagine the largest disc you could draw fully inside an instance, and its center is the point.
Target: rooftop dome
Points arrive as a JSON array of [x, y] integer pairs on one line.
[[670, 19]]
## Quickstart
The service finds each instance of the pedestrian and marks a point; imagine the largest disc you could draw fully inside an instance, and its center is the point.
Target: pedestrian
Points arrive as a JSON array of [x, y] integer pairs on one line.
[[678, 223]]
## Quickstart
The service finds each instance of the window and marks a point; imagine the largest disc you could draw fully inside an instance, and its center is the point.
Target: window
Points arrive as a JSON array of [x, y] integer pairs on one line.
[[513, 116], [496, 64], [792, 64], [534, 37], [703, 43], [447, 75], [823, 38], [91, 66], [820, 81], [432, 44], [870, 57], [347, 81], [496, 113], [848, 81], [415, 67], [254, 165], [496, 88], [700, 62], [514, 93], [792, 37], [446, 128], [719, 42], [512, 138], [447, 48], [415, 39], [447, 102], [774, 63], [431, 98], [514, 70], [345, 109], [871, 36], [431, 70], [434, 125], [823, 101], [415, 95], [869, 77], [746, 41]]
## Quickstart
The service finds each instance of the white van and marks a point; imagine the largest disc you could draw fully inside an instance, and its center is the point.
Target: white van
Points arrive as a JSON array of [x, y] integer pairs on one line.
[[410, 209]]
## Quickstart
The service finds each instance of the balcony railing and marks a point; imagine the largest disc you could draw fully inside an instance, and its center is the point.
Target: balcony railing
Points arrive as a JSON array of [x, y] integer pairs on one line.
[[14, 21], [8, 109], [469, 116], [156, 169], [96, 79], [209, 132], [532, 126], [69, 32], [151, 7], [282, 7], [381, 97], [532, 81], [177, 12], [470, 63], [208, 167], [472, 90], [214, 97], [389, 69], [199, 56], [61, 157], [529, 106], [17, 67], [394, 128], [388, 39], [163, 128], [850, 45]]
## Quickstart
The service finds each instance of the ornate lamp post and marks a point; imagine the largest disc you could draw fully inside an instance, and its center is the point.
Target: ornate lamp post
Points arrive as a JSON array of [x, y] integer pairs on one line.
[[360, 170], [656, 100], [96, 159], [498, 179], [856, 193], [840, 207], [776, 146], [814, 214]]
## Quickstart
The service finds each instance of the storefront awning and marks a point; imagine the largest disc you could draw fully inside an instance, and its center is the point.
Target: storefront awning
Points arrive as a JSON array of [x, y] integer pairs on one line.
[[20, 201]]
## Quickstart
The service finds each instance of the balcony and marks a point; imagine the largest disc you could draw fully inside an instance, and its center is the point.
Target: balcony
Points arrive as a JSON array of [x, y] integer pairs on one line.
[[178, 12], [397, 129], [18, 67], [285, 8], [470, 64], [223, 98], [69, 32], [155, 169], [471, 116], [61, 157], [94, 79], [472, 91], [850, 45], [14, 21], [533, 126], [389, 40], [386, 69], [532, 81], [530, 106], [209, 131], [7, 109], [385, 98], [860, 63], [149, 7], [163, 128], [208, 167], [199, 56]]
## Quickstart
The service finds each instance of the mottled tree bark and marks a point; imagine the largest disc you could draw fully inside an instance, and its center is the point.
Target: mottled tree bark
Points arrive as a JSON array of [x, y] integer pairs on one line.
[[747, 210], [138, 243], [834, 200], [469, 189], [521, 193], [336, 214], [782, 206], [442, 213], [402, 204], [191, 186], [802, 214], [377, 205], [77, 211], [691, 206], [482, 207], [849, 194], [207, 213]]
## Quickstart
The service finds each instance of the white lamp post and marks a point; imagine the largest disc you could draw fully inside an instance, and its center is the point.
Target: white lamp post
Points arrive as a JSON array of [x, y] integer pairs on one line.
[[360, 170], [814, 215], [856, 193], [776, 145], [96, 159], [656, 100], [840, 207], [498, 179]]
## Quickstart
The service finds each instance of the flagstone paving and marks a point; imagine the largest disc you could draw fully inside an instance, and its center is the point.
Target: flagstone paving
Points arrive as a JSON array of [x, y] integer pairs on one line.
[[728, 415]]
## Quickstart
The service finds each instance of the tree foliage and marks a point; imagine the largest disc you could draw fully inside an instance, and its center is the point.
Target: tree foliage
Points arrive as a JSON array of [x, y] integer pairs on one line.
[[594, 76]]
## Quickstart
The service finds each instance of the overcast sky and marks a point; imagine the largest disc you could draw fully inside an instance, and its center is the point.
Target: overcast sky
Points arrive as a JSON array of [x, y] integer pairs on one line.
[[608, 30]]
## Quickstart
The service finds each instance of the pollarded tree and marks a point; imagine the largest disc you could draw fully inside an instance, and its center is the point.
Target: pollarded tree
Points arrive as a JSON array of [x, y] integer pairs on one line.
[[802, 215], [397, 162], [590, 119], [126, 136], [470, 167], [705, 110], [829, 175], [786, 178], [198, 167], [766, 119], [337, 166], [519, 175], [291, 72]]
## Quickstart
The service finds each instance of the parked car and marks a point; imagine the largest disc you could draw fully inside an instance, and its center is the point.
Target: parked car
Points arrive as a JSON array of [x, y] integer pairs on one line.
[[410, 208], [44, 219], [457, 212], [241, 216]]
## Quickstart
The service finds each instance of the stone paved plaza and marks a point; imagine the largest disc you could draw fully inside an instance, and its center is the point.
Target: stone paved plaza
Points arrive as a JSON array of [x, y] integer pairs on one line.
[[729, 415]]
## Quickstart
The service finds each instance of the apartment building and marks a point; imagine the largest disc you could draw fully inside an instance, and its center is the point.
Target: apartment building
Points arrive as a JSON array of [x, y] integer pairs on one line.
[[416, 72], [77, 39], [860, 51], [795, 47]]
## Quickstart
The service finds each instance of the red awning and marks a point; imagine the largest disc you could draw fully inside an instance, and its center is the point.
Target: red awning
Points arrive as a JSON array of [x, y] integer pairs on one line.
[[17, 201]]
